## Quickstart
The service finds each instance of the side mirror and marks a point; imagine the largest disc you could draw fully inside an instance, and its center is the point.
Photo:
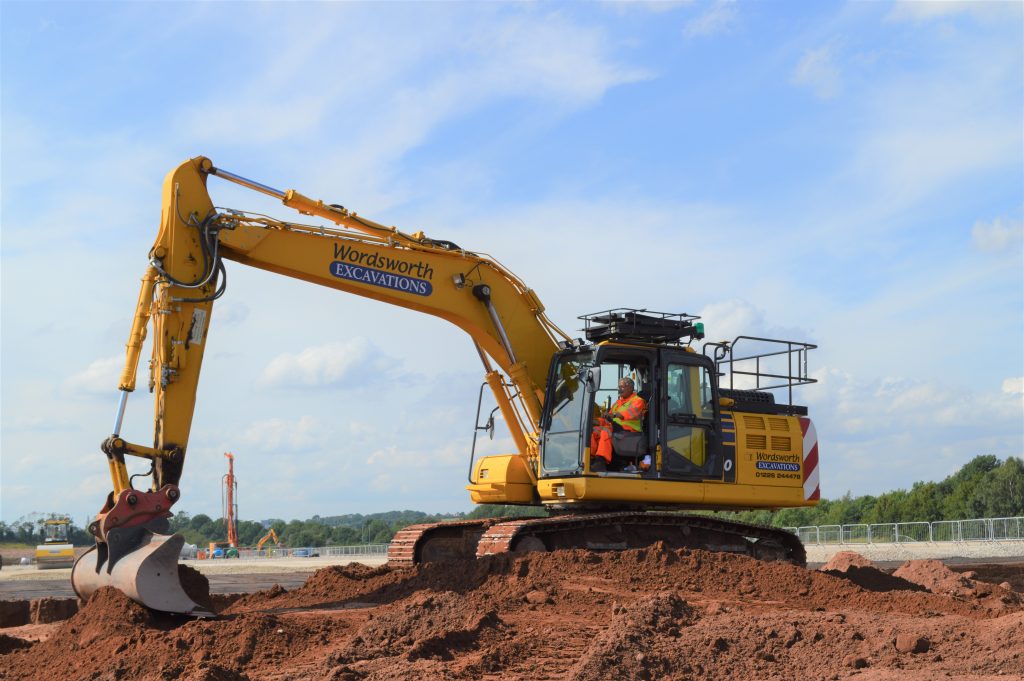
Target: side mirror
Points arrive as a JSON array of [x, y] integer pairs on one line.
[[489, 426], [593, 379]]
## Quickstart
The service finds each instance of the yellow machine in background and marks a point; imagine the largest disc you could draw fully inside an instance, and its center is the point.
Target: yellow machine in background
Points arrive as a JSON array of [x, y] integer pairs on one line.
[[267, 537], [701, 445], [55, 551]]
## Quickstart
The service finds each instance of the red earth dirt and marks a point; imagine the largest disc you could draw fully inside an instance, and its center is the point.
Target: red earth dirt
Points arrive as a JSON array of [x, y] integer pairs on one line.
[[573, 615], [862, 572]]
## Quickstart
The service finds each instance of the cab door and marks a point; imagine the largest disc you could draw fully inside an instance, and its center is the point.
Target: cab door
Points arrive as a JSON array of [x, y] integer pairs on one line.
[[689, 430]]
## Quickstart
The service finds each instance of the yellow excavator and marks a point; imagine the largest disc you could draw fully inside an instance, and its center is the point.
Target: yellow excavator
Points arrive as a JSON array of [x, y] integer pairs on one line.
[[272, 534], [698, 445]]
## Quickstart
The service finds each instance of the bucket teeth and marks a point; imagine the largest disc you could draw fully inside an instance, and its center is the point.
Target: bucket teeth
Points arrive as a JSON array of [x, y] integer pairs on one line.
[[148, 575]]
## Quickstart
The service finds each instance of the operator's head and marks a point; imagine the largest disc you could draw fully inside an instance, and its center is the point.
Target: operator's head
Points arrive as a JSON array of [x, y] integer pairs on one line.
[[626, 387]]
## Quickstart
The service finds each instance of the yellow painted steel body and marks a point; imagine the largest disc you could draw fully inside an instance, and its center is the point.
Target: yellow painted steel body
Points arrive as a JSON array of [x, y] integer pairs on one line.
[[55, 556], [55, 551], [759, 437], [501, 479], [774, 439]]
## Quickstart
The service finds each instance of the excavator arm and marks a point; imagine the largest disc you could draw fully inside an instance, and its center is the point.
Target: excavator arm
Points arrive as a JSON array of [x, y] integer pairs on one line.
[[186, 274], [272, 534]]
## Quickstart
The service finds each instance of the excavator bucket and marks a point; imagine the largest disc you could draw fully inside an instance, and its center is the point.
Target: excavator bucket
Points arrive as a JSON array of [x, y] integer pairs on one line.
[[147, 575]]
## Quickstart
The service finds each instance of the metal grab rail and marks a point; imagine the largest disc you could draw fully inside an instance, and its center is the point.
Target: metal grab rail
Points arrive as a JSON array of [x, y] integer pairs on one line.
[[795, 352], [976, 529]]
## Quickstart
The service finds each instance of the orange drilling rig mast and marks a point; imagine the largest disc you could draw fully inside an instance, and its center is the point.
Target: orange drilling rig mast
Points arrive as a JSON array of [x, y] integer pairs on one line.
[[229, 501]]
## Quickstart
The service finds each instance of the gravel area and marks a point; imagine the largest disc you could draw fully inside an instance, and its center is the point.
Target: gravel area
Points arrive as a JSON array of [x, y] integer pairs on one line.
[[14, 573], [937, 550]]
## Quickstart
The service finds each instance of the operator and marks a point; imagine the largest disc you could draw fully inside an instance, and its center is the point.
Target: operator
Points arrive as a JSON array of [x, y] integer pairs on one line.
[[626, 414]]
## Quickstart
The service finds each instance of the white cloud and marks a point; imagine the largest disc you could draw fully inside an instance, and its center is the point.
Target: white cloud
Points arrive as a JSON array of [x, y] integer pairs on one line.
[[933, 123], [541, 57], [384, 482], [409, 455], [1014, 386], [354, 362], [231, 312], [877, 433], [725, 320], [998, 236], [716, 19], [921, 11], [818, 71], [99, 378], [913, 159], [490, 54], [266, 122], [652, 6], [285, 435]]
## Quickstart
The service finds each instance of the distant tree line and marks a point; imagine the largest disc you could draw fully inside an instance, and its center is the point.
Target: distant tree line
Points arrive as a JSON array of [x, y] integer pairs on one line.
[[341, 530], [984, 488], [336, 530], [29, 530]]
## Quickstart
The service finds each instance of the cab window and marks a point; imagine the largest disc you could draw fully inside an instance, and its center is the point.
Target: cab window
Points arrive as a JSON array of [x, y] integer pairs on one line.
[[689, 391], [689, 419], [563, 439]]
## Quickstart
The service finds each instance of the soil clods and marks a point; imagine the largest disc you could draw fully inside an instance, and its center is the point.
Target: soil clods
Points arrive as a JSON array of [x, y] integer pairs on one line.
[[573, 615]]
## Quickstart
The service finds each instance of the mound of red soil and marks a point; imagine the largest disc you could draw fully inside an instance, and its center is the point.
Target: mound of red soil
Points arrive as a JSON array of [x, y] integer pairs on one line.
[[638, 614], [507, 579], [426, 626], [862, 572], [939, 579], [844, 560], [10, 643], [1011, 576], [630, 647], [934, 576]]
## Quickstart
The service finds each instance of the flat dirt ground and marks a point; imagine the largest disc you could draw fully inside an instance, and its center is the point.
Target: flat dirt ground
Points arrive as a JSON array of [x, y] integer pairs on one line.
[[640, 614]]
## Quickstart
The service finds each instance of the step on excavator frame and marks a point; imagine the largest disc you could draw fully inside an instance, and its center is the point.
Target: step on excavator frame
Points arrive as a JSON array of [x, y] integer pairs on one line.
[[611, 531]]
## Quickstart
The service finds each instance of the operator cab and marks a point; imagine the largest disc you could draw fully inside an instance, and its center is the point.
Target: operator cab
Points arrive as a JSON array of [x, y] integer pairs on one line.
[[682, 430], [55, 532]]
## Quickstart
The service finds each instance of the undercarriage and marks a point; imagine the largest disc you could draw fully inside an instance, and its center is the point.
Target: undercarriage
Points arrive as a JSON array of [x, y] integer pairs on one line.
[[609, 531]]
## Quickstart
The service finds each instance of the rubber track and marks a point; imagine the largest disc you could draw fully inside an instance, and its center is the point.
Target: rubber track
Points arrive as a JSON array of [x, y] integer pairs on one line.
[[402, 549], [500, 537]]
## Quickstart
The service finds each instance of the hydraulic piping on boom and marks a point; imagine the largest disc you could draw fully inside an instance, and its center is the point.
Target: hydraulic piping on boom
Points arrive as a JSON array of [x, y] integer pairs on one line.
[[694, 445]]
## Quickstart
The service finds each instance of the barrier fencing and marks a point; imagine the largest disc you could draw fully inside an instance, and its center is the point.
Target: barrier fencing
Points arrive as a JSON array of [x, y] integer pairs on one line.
[[361, 550], [978, 529]]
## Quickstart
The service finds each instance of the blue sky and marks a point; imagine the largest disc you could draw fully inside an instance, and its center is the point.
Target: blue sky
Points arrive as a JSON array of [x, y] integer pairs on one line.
[[851, 174]]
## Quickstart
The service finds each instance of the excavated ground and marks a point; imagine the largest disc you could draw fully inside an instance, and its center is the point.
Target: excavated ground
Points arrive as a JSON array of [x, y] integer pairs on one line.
[[641, 614]]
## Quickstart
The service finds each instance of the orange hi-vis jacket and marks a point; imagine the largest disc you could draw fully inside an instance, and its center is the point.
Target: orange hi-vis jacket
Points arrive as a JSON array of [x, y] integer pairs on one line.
[[627, 412]]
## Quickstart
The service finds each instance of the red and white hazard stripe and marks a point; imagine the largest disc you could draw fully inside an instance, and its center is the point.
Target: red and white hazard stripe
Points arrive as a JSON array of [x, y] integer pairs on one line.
[[812, 488]]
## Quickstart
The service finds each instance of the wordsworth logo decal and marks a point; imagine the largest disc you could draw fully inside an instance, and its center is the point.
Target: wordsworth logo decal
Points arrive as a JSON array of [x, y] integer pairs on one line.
[[368, 275], [777, 466]]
